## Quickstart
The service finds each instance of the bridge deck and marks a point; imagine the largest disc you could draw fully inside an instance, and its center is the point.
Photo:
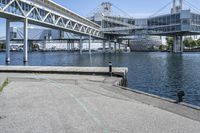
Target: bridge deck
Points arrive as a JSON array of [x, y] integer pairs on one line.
[[48, 14]]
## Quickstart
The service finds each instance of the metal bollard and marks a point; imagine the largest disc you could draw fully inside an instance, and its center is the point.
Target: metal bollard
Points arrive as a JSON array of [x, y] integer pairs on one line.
[[180, 96], [110, 68]]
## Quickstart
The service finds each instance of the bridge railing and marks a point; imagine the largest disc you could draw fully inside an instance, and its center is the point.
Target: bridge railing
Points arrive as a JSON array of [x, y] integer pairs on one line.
[[58, 8]]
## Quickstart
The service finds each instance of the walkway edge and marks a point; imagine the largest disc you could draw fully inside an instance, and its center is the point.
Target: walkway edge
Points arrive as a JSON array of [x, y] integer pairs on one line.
[[120, 71], [183, 109], [116, 71]]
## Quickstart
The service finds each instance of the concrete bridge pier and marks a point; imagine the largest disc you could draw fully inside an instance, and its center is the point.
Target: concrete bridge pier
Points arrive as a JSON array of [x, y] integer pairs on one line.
[[181, 43], [8, 35], [81, 45], [174, 50], [67, 45], [44, 44], [90, 45], [26, 40], [178, 44], [72, 46], [104, 46], [126, 45], [7, 40], [109, 43], [119, 46], [115, 46]]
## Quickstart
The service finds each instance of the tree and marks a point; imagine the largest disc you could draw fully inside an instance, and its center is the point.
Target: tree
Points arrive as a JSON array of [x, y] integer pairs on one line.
[[188, 41], [2, 46], [170, 41], [163, 47], [193, 43], [198, 42]]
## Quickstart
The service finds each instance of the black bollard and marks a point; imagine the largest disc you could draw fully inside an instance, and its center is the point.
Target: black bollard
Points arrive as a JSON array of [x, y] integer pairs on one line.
[[110, 68], [7, 63], [180, 96]]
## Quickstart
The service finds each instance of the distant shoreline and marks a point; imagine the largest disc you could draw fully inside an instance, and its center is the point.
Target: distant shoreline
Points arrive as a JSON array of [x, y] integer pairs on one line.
[[71, 51]]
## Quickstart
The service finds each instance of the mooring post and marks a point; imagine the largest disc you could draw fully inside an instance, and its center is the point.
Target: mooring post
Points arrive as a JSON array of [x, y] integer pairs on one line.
[[180, 96]]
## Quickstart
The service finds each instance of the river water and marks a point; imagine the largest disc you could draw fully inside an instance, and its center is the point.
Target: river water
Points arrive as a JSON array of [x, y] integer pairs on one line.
[[157, 73]]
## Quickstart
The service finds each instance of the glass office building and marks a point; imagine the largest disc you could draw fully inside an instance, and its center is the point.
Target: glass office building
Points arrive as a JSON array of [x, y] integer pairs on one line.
[[195, 23], [184, 22], [165, 24]]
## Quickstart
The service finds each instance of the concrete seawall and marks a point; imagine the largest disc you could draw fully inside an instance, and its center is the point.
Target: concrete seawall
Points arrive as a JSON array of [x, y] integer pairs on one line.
[[116, 71]]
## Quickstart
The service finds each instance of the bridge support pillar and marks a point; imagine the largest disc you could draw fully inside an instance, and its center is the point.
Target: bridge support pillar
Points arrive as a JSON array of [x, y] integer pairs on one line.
[[178, 44], [174, 45], [119, 46], [68, 45], [26, 40], [109, 45], [126, 45], [81, 45], [104, 46], [72, 46], [181, 43], [115, 46], [7, 40], [45, 44], [90, 45]]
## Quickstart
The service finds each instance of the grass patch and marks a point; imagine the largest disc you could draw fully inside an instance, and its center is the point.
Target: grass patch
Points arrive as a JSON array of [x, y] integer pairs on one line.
[[5, 83]]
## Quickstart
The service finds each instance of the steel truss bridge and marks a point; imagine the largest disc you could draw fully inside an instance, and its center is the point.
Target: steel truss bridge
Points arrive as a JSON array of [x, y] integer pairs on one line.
[[101, 25], [44, 13]]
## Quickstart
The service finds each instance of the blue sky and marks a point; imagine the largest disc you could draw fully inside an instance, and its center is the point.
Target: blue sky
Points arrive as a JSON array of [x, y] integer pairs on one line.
[[136, 8], [132, 7]]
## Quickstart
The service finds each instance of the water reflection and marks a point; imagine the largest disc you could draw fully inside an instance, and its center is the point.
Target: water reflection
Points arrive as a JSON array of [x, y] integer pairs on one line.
[[174, 67], [158, 73]]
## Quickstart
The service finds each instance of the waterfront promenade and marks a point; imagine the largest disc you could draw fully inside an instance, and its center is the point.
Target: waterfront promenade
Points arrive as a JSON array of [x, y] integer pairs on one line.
[[49, 103]]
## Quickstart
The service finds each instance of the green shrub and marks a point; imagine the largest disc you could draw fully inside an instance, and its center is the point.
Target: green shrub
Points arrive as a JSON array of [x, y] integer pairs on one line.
[[5, 83]]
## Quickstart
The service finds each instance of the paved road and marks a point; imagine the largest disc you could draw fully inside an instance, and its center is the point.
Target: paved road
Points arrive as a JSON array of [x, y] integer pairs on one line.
[[37, 103]]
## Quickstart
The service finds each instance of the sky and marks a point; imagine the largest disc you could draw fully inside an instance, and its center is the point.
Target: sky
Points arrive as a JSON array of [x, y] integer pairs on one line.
[[135, 8], [132, 7]]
